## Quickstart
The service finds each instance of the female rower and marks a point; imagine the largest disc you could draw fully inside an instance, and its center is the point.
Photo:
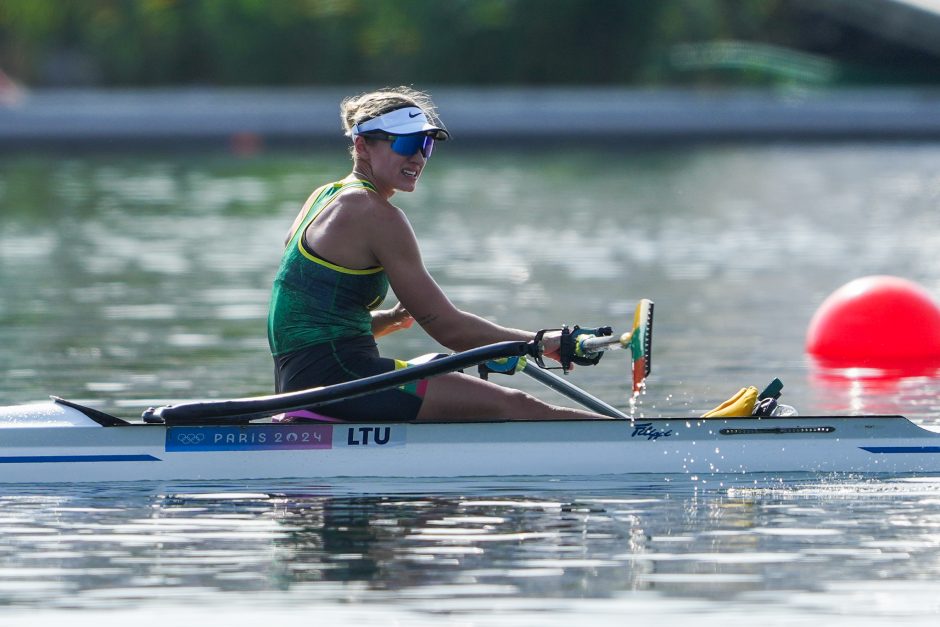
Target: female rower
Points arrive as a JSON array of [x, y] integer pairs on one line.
[[347, 244]]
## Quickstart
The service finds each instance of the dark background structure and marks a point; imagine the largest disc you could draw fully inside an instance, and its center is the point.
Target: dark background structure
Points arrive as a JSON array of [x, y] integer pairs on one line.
[[123, 43]]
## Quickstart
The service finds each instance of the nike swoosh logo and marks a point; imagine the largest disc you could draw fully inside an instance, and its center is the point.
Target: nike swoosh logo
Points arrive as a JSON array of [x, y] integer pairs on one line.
[[413, 115]]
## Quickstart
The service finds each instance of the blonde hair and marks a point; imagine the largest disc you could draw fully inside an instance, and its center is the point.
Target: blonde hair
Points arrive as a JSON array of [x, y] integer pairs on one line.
[[358, 109]]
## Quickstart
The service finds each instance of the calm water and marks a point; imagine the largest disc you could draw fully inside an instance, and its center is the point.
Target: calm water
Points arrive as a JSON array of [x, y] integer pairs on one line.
[[129, 281]]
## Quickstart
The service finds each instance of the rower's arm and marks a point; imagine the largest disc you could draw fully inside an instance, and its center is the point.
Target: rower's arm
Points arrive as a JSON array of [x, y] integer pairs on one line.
[[396, 248]]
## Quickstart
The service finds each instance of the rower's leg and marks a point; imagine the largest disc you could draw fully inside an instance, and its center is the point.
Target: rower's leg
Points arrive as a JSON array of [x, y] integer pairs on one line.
[[458, 396]]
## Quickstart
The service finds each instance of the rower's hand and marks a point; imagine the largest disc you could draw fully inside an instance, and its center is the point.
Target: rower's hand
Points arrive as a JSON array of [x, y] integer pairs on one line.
[[581, 356], [551, 346], [387, 321]]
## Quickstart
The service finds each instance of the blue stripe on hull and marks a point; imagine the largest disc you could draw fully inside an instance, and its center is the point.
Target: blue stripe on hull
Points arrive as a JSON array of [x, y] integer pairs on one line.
[[58, 459], [901, 449]]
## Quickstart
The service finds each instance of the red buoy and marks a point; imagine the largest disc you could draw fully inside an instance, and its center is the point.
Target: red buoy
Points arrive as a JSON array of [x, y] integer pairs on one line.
[[882, 322]]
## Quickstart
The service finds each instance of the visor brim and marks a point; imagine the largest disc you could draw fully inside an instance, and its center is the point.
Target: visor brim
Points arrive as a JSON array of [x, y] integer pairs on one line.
[[436, 132], [405, 121]]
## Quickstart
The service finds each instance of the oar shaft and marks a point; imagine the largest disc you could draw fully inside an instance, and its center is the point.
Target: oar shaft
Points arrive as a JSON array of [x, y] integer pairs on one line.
[[258, 407], [573, 392], [602, 343]]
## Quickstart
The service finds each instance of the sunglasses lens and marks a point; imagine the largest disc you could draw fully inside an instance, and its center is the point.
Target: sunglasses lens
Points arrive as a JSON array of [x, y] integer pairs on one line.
[[408, 145]]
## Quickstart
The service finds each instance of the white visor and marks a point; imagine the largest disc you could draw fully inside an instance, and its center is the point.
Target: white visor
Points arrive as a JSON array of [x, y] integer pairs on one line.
[[404, 121]]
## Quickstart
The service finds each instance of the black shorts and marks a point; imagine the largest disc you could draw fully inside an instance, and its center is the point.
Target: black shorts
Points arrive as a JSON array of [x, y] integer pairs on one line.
[[346, 360]]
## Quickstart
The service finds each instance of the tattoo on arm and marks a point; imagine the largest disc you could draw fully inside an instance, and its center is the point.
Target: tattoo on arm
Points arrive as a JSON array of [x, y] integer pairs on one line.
[[426, 319]]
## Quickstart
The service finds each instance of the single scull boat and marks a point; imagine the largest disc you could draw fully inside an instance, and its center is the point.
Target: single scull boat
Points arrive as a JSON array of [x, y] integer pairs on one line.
[[61, 441]]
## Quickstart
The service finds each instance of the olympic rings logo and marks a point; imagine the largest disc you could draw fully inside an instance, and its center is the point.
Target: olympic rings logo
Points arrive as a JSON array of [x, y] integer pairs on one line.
[[189, 438]]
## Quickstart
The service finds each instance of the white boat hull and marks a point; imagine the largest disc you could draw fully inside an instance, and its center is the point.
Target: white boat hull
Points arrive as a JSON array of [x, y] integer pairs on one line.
[[50, 442]]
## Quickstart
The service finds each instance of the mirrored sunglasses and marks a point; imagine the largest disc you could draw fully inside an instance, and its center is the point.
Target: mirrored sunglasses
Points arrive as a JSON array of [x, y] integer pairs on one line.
[[407, 145]]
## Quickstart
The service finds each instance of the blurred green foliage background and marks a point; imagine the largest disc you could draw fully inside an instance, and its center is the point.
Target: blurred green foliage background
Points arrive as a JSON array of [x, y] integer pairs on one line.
[[460, 42]]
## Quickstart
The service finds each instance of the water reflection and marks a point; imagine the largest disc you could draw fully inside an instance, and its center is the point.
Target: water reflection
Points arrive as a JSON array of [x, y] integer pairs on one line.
[[117, 546], [877, 392]]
